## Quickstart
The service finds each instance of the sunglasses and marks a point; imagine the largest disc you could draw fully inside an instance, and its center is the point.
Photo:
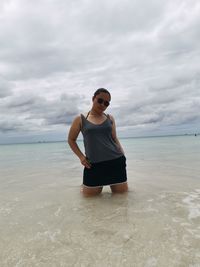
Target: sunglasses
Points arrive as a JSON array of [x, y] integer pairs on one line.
[[101, 101]]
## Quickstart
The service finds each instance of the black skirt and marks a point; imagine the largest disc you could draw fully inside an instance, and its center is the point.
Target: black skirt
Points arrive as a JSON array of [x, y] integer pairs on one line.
[[106, 172]]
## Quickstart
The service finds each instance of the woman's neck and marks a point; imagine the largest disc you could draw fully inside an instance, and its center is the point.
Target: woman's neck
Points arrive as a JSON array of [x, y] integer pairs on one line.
[[95, 113]]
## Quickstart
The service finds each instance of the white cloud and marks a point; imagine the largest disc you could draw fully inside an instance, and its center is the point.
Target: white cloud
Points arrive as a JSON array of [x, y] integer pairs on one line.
[[55, 54]]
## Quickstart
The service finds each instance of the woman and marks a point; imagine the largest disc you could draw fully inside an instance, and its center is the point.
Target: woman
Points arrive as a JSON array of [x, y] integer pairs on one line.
[[104, 162]]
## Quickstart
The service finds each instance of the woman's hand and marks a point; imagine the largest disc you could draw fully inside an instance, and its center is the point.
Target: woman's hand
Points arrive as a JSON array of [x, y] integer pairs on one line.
[[85, 162]]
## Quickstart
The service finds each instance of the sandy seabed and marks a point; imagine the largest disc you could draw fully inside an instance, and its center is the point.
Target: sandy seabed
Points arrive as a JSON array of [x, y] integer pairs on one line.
[[47, 222]]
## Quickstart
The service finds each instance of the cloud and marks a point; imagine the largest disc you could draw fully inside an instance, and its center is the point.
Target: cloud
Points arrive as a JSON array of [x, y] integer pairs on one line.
[[5, 88], [55, 54], [35, 113], [11, 125]]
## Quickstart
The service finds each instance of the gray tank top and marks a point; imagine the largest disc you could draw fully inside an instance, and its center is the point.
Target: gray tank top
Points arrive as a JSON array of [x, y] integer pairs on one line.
[[98, 142]]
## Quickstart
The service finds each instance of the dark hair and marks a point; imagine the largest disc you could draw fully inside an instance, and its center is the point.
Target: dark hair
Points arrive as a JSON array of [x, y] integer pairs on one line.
[[101, 90]]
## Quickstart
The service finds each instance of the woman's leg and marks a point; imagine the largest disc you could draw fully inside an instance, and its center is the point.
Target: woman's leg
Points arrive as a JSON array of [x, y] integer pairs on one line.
[[119, 188], [90, 191]]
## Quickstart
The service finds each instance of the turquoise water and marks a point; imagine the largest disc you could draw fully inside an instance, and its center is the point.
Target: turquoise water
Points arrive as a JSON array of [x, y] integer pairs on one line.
[[45, 221], [159, 156], [174, 151]]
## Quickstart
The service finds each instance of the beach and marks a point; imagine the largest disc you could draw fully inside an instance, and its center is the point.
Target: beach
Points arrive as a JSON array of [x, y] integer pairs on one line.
[[45, 221]]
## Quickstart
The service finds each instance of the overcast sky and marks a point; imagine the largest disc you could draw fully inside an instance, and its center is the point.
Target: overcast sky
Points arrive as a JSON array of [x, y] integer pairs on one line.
[[55, 53]]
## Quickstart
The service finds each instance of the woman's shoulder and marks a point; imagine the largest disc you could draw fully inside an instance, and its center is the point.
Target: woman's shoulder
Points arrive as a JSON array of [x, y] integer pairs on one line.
[[81, 116], [110, 116], [84, 113]]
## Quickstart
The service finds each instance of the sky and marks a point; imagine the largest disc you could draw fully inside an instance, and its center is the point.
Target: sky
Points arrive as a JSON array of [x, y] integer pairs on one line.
[[54, 54]]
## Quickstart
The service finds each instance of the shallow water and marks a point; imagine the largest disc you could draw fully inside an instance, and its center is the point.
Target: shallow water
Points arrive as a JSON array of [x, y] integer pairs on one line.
[[45, 221]]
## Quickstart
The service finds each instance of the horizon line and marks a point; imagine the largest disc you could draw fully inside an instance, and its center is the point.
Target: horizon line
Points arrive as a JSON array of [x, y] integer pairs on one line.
[[123, 137]]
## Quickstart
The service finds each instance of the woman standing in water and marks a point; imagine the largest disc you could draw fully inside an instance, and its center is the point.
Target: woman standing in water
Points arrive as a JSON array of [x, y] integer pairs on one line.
[[104, 159]]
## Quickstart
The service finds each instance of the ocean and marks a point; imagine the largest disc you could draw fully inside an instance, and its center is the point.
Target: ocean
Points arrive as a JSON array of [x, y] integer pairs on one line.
[[45, 221]]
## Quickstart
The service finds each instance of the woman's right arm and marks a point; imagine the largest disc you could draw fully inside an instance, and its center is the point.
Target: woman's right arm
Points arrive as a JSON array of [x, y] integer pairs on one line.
[[72, 136]]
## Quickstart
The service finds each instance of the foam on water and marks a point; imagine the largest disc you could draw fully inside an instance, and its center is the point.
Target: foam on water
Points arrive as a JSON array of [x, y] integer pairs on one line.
[[193, 204]]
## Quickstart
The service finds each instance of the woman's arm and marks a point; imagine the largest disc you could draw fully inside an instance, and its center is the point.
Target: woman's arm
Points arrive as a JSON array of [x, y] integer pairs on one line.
[[114, 134], [72, 136]]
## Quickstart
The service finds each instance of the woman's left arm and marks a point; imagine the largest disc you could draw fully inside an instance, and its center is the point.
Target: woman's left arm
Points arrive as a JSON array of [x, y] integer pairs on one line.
[[114, 134]]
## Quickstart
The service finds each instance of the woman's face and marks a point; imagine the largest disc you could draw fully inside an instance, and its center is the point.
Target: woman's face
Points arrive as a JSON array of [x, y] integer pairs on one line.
[[101, 102]]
